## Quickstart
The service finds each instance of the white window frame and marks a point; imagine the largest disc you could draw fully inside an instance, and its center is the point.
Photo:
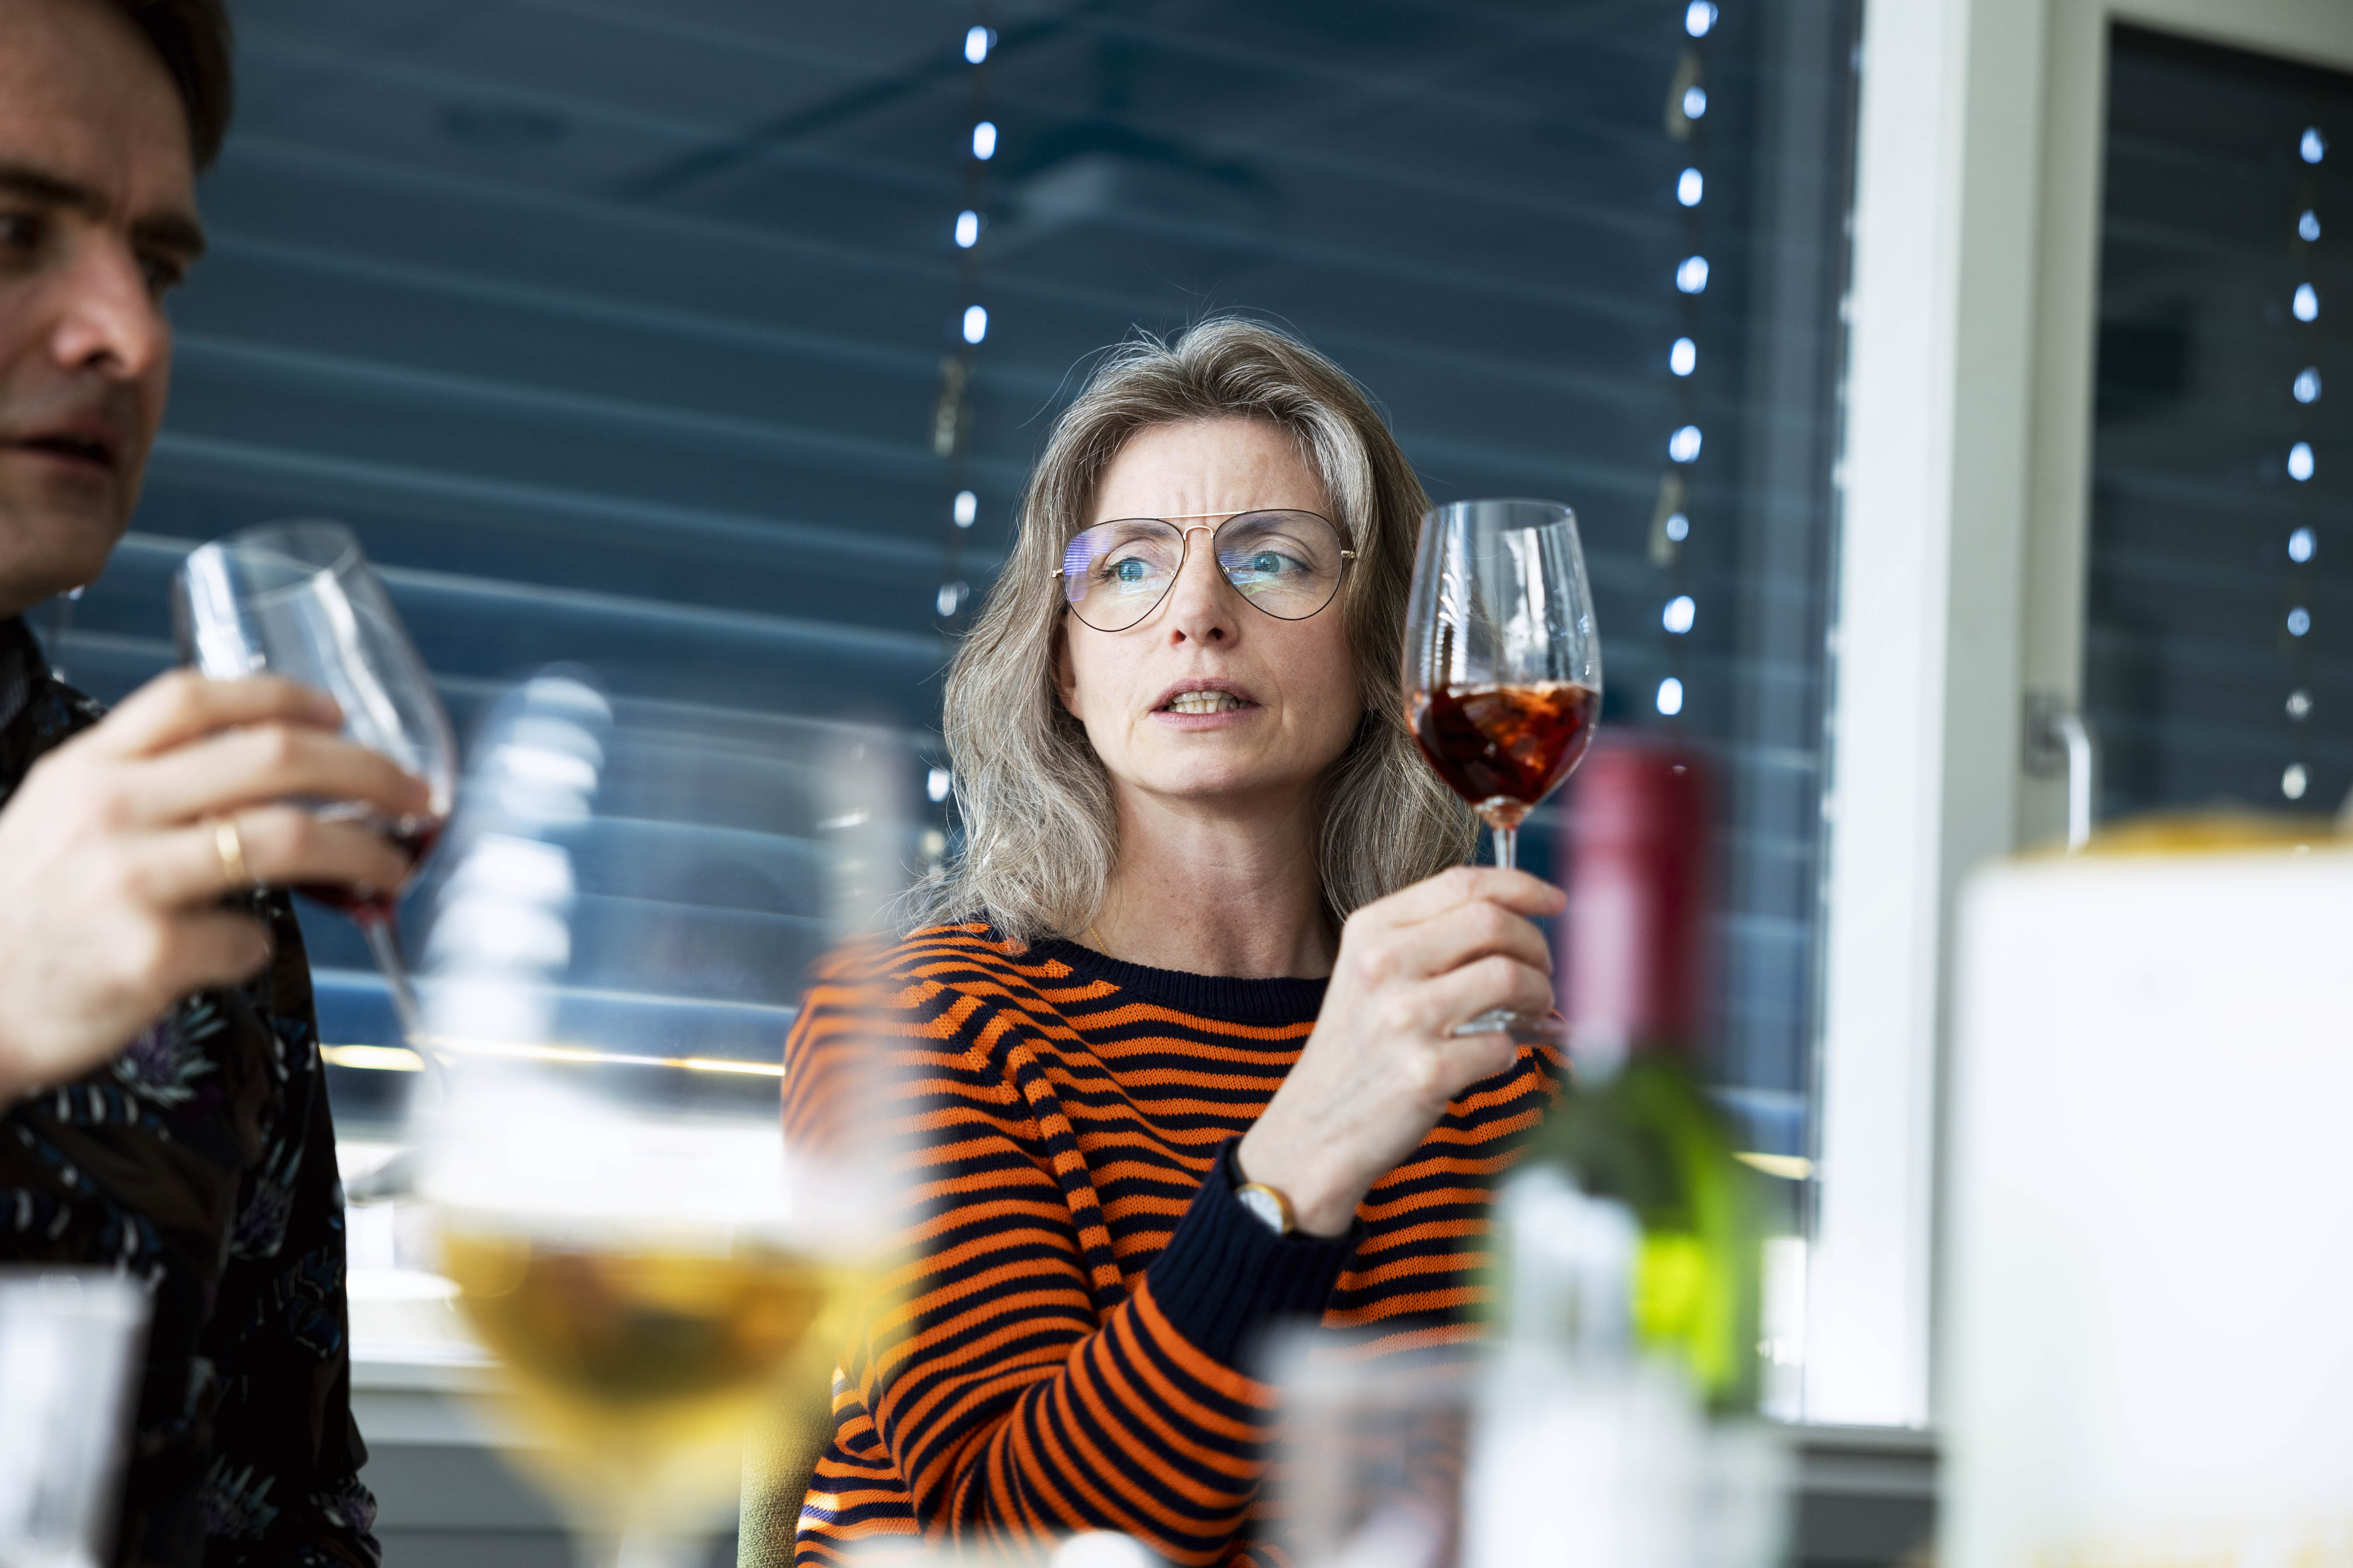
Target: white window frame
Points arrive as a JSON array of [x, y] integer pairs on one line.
[[1964, 493]]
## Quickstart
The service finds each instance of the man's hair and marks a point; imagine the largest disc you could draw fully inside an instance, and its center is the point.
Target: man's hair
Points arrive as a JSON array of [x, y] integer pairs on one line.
[[194, 40], [1041, 835]]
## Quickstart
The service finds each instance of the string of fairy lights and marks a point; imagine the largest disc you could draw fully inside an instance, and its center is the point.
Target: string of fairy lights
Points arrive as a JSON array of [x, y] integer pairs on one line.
[[1671, 519], [951, 411], [2303, 540]]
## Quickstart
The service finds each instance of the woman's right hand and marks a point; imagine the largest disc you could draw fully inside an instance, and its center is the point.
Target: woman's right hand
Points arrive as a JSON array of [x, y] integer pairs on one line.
[[1384, 1061]]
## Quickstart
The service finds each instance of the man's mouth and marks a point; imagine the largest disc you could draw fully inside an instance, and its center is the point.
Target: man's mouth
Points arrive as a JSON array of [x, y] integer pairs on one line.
[[91, 450], [1203, 703]]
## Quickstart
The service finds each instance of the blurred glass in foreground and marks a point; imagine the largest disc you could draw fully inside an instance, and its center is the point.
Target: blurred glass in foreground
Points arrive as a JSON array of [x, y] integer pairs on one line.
[[2145, 1287], [70, 1361], [655, 1262]]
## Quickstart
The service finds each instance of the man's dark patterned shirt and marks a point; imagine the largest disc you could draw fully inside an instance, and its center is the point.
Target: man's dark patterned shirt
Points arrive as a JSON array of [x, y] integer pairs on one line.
[[201, 1160]]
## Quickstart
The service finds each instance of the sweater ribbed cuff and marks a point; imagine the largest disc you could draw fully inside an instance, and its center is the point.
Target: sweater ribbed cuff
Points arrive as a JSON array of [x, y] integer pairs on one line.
[[1224, 1276]]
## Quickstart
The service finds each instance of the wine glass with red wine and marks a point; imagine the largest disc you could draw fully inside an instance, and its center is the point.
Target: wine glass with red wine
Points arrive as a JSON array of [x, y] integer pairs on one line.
[[299, 600], [1502, 666]]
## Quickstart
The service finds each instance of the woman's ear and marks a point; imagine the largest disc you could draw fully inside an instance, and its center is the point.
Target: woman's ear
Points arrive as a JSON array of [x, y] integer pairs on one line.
[[1066, 681]]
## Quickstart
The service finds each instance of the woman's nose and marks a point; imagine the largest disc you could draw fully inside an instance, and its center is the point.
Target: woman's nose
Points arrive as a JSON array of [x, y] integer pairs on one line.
[[1201, 606]]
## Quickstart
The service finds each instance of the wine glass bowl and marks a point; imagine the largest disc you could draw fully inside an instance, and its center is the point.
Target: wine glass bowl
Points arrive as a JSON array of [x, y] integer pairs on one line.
[[1503, 665], [663, 1261], [299, 599]]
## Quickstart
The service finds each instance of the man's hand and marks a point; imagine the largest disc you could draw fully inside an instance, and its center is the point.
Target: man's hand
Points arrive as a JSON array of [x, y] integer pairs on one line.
[[112, 866], [1384, 1061]]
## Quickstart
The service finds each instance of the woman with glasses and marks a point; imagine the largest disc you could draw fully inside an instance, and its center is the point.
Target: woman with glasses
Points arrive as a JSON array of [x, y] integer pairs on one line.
[[1178, 1019]]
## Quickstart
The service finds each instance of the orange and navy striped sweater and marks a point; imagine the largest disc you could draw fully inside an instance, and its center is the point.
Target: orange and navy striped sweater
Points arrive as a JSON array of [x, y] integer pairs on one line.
[[1072, 1351]]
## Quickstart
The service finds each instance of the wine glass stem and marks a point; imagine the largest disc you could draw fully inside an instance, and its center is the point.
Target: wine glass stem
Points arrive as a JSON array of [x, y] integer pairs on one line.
[[384, 941], [638, 1549], [1507, 847]]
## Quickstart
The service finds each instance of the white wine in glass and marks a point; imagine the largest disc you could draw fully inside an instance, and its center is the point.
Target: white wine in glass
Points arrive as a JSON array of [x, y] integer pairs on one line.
[[658, 1267]]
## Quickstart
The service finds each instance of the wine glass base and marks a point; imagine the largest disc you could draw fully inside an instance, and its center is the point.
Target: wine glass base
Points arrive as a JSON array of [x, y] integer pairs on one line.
[[1528, 1029]]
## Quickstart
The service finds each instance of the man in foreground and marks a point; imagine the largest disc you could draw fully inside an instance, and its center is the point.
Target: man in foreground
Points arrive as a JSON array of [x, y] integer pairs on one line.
[[162, 1109]]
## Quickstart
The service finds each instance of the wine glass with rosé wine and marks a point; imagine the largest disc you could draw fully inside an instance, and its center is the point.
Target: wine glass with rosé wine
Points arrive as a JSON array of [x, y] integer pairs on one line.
[[1503, 665], [299, 600]]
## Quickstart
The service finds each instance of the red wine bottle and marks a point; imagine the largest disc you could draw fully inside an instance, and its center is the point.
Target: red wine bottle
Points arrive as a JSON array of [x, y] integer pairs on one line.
[[1636, 1128]]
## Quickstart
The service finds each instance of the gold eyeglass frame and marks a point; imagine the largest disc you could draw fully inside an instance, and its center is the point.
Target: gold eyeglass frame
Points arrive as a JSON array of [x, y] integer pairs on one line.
[[1186, 540]]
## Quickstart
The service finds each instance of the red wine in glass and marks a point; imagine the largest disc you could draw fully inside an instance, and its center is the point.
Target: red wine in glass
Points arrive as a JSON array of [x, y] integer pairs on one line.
[[299, 600], [378, 905], [1502, 666], [1504, 748]]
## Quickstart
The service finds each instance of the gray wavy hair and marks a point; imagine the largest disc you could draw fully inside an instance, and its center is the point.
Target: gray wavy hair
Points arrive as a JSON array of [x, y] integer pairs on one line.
[[1040, 834]]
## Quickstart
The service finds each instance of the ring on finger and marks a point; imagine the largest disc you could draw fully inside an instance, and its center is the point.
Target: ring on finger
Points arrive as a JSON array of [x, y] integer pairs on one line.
[[231, 851]]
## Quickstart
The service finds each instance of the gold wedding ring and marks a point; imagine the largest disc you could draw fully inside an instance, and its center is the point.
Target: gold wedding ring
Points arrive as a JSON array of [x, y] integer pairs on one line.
[[231, 851]]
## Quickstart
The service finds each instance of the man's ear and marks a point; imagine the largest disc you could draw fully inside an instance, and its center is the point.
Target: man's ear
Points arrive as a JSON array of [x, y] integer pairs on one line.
[[1066, 683]]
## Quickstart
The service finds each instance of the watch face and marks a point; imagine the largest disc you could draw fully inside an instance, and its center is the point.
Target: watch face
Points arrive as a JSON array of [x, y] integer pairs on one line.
[[1263, 1206]]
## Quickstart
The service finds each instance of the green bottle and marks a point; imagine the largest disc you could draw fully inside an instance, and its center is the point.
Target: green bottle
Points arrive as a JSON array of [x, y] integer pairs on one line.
[[1635, 1128]]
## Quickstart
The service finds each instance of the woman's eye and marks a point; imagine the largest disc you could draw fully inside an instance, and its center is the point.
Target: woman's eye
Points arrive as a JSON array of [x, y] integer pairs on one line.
[[19, 231], [1128, 571]]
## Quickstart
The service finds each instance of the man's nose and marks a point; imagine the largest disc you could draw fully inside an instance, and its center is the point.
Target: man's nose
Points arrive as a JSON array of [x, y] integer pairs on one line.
[[107, 318], [1201, 606]]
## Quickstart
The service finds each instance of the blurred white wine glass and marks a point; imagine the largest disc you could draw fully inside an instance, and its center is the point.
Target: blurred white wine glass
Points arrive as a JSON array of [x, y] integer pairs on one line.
[[630, 902]]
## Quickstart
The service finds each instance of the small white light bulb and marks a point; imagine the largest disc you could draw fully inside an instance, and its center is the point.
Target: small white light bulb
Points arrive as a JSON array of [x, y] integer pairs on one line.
[[1678, 527], [1692, 275], [2313, 146], [1694, 102], [2299, 621], [976, 49], [1671, 697], [2293, 781], [1700, 15], [2308, 385], [1690, 186], [984, 141], [2308, 226], [967, 507], [1684, 358], [1678, 615], [938, 785], [1682, 447], [976, 324], [2299, 545], [2307, 302], [2299, 462], [967, 230]]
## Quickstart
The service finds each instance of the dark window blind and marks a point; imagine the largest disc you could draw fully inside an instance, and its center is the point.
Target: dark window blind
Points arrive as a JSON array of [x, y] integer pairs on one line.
[[2219, 628], [618, 332]]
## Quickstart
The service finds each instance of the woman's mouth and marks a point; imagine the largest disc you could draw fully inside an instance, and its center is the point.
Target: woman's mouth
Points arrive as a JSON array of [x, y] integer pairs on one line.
[[1203, 703]]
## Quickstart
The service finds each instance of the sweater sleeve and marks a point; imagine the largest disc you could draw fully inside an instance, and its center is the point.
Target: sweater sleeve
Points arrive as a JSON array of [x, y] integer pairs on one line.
[[1012, 1387]]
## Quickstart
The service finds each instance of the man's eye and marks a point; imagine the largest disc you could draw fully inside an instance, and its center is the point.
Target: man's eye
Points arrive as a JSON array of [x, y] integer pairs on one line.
[[163, 274]]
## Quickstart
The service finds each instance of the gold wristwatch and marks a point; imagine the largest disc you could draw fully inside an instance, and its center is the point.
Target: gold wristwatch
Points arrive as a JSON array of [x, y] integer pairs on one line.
[[1267, 1205]]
